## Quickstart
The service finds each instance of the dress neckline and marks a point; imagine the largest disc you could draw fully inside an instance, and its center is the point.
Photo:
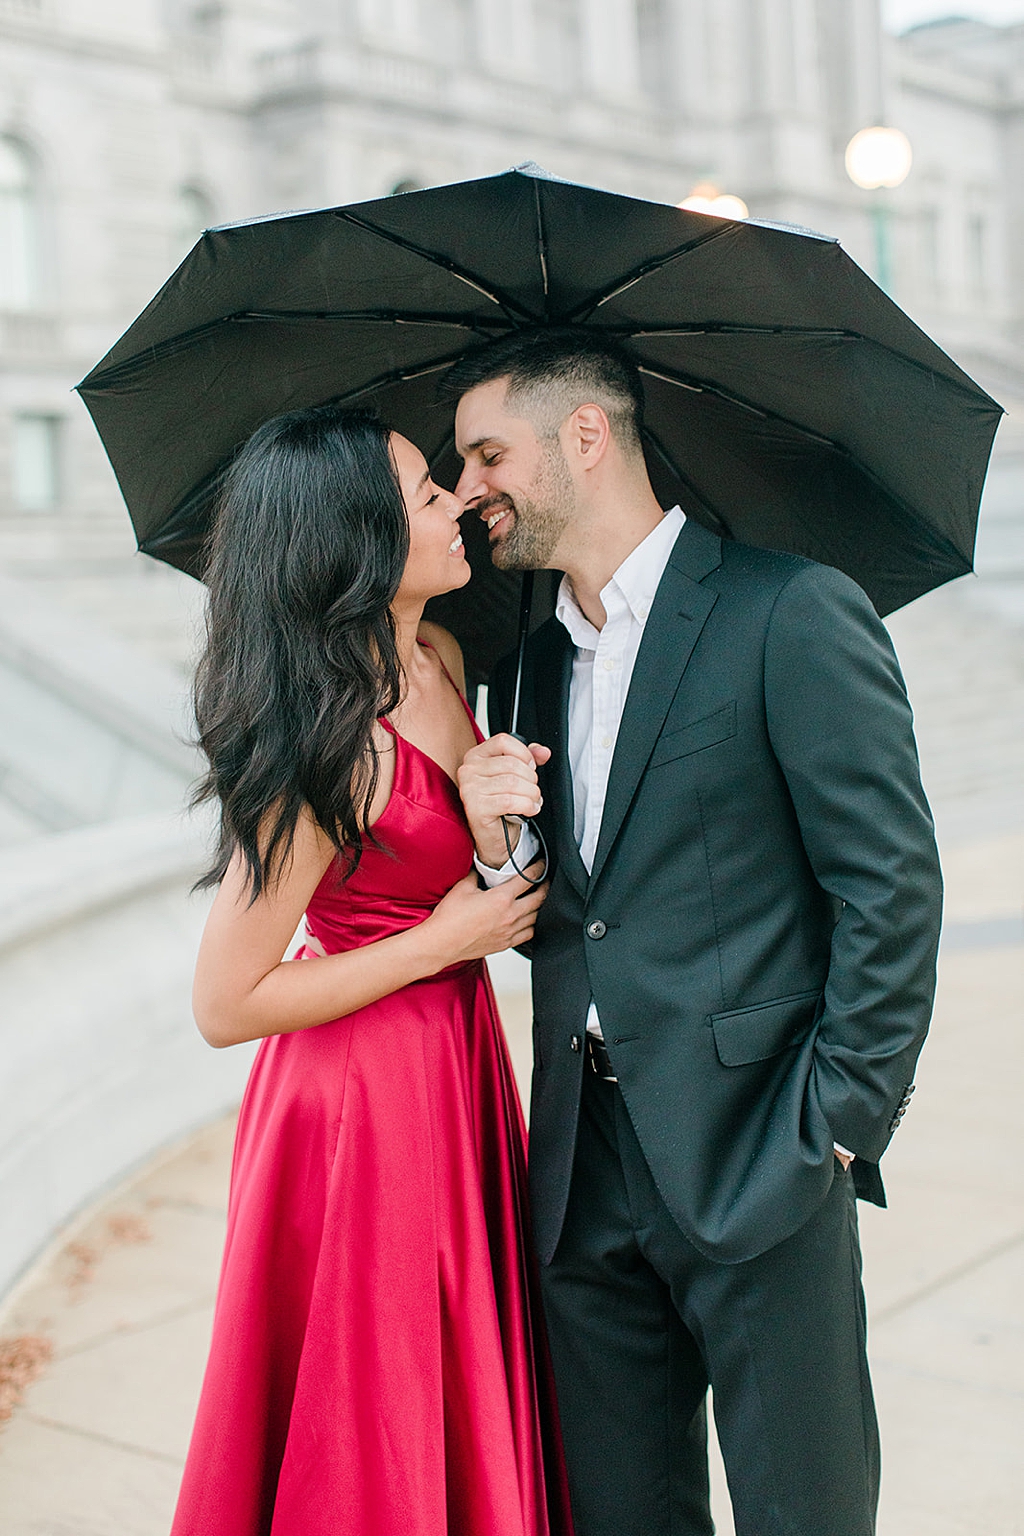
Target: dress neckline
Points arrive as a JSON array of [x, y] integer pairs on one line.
[[393, 730]]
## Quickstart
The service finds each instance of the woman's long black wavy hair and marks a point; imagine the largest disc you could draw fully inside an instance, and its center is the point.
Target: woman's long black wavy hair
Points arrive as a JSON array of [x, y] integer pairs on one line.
[[307, 552]]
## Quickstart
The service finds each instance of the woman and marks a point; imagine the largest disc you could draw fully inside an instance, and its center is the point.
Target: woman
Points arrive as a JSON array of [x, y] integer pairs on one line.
[[377, 1366]]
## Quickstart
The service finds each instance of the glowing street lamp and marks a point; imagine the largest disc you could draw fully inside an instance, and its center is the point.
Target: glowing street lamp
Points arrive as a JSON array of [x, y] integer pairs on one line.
[[878, 158], [706, 198]]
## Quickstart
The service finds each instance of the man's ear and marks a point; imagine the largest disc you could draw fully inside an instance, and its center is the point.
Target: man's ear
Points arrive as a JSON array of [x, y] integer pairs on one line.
[[588, 435]]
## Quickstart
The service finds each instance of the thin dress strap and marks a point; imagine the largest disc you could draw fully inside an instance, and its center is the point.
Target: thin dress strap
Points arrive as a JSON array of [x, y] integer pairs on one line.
[[462, 697]]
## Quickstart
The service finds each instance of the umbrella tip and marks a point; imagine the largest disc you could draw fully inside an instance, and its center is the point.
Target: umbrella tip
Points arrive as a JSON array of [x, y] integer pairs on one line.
[[531, 168]]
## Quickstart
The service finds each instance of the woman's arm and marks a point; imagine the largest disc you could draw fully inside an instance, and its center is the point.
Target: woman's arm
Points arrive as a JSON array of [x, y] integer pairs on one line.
[[243, 989]]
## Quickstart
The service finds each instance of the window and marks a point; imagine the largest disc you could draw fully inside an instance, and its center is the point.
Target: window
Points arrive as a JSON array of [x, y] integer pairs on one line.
[[19, 260], [36, 463]]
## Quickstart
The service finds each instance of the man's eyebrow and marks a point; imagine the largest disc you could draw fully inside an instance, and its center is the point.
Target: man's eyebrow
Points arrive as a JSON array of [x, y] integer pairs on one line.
[[480, 441]]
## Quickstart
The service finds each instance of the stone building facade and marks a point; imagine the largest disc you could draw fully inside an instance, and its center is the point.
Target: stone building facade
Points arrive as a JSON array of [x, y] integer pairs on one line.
[[128, 125]]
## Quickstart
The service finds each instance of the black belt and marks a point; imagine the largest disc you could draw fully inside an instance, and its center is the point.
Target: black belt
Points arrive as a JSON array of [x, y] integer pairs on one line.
[[600, 1061]]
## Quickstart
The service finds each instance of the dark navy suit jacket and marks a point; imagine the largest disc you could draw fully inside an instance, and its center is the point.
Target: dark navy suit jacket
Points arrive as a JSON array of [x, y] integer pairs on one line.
[[765, 897]]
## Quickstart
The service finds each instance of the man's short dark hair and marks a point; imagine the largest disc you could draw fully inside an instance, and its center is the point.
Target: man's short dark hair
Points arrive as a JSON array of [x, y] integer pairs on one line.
[[551, 371]]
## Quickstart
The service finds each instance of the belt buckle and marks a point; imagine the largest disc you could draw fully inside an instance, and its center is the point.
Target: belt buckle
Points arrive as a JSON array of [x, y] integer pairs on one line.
[[600, 1060]]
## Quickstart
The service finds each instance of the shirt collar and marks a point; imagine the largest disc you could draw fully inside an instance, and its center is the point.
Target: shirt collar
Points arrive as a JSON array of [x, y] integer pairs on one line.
[[632, 586]]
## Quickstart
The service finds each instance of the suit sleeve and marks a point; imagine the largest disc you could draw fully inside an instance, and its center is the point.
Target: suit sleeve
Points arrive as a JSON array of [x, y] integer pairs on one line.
[[842, 730]]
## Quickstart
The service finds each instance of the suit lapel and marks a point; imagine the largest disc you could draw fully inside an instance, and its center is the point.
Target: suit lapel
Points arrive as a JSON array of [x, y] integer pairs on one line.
[[678, 614], [552, 676]]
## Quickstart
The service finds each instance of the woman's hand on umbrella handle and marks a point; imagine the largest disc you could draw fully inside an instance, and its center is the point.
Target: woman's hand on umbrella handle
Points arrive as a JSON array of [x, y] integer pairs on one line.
[[498, 778], [470, 923]]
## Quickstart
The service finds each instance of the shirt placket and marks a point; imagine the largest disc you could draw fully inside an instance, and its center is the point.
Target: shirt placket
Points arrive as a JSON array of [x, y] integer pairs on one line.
[[607, 681]]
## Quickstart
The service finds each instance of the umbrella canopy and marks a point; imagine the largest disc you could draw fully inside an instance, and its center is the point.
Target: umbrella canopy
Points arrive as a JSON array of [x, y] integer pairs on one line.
[[789, 402]]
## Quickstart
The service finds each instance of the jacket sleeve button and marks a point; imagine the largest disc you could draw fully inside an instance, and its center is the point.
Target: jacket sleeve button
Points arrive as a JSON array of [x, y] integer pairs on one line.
[[575, 1042]]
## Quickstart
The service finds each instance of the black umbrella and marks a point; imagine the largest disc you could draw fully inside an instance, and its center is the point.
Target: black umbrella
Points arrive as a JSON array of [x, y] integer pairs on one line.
[[789, 402]]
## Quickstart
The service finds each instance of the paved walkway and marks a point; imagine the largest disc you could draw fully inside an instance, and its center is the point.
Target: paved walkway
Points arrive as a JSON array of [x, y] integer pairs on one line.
[[124, 1303]]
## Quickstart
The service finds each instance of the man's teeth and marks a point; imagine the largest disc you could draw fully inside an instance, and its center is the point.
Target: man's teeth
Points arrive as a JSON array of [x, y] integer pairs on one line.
[[491, 521]]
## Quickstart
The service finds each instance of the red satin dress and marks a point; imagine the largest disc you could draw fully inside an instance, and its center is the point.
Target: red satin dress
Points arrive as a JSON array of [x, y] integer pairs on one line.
[[378, 1364]]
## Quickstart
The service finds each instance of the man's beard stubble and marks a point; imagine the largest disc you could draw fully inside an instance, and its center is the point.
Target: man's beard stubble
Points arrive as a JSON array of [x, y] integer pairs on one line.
[[539, 516]]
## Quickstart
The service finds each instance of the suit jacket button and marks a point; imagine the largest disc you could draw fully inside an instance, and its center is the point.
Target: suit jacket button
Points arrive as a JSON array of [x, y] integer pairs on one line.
[[596, 929]]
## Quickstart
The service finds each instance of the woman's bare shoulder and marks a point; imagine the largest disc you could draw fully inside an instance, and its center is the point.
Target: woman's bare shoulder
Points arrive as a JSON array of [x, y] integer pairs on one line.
[[447, 647]]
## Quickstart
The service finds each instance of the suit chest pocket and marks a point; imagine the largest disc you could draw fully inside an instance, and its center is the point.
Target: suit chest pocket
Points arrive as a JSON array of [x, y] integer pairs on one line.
[[695, 736]]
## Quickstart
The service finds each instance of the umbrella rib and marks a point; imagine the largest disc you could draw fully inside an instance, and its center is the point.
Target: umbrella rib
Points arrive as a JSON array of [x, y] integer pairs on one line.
[[122, 371], [371, 317], [936, 540], [670, 464], [585, 310], [698, 386], [395, 376], [542, 247], [724, 328], [143, 360], [733, 328], [510, 306]]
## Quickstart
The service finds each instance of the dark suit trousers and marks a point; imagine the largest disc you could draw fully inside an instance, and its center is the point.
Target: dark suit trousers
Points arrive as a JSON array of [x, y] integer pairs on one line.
[[640, 1323]]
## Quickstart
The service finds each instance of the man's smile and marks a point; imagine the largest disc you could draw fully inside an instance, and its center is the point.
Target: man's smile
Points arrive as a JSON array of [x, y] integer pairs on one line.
[[495, 516]]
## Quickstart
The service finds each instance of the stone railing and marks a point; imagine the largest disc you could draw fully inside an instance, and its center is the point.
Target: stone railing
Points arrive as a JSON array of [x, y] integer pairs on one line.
[[100, 1063]]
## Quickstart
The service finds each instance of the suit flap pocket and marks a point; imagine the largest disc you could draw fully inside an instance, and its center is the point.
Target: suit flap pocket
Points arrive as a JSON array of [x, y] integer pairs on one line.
[[705, 732], [753, 1034]]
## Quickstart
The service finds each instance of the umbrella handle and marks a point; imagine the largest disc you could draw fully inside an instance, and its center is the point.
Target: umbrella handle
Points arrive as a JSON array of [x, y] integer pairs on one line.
[[525, 604]]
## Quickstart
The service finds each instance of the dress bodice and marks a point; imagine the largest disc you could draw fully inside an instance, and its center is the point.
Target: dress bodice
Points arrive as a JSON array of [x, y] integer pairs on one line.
[[425, 847]]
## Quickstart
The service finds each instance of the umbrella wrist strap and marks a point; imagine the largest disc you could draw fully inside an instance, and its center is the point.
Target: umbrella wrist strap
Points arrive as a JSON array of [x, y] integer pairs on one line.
[[530, 880]]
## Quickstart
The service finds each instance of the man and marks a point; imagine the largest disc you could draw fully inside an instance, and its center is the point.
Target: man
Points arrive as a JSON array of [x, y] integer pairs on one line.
[[733, 972]]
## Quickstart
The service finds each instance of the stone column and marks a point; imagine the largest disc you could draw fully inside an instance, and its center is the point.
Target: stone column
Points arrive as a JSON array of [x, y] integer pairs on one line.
[[611, 51], [393, 22], [506, 33], [788, 148], [851, 40]]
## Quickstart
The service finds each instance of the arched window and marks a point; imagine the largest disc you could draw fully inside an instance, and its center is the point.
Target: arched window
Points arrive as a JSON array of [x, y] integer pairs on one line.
[[19, 233], [194, 214]]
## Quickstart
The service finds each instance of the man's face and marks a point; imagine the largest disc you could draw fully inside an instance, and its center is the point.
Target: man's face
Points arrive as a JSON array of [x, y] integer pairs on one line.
[[516, 482]]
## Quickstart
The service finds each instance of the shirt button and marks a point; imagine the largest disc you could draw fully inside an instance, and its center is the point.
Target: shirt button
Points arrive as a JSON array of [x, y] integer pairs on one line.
[[597, 929], [609, 664], [606, 741]]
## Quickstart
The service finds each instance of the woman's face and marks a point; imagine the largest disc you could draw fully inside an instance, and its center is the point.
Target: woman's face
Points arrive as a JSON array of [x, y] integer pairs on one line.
[[436, 561]]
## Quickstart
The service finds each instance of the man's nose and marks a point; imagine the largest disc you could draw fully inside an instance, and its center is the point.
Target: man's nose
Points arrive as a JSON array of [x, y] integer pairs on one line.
[[469, 487]]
